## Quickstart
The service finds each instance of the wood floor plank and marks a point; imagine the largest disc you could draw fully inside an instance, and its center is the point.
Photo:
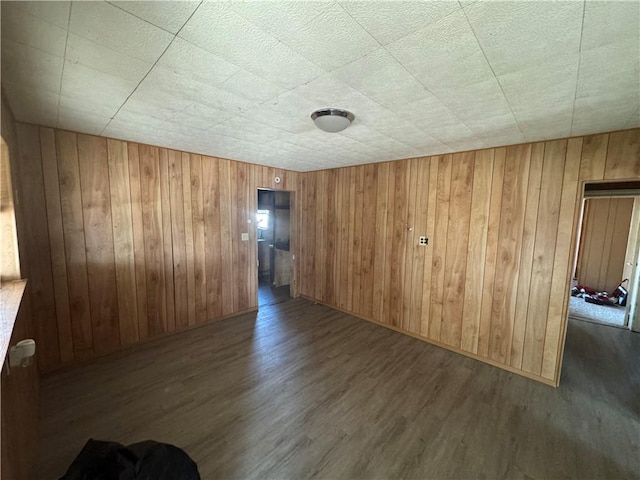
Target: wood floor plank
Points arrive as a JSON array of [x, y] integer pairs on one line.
[[281, 394]]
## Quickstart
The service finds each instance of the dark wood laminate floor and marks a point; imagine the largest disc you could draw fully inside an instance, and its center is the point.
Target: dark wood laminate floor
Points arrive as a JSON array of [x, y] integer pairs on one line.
[[302, 391]]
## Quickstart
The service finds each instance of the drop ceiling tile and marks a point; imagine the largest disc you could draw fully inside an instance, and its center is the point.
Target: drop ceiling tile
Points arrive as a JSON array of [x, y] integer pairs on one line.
[[374, 73], [80, 121], [56, 12], [193, 62], [289, 111], [247, 85], [546, 127], [634, 119], [483, 98], [21, 27], [516, 34], [612, 70], [166, 15], [147, 97], [547, 82], [98, 57], [204, 114], [443, 53], [610, 22], [280, 19], [127, 129], [258, 52], [190, 90], [452, 135], [387, 22], [488, 126], [118, 30], [32, 105], [426, 113], [88, 106], [336, 24], [80, 82], [32, 68], [605, 112]]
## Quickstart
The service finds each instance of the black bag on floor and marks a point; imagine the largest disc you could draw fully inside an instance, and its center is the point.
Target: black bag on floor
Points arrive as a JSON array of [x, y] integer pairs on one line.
[[147, 460]]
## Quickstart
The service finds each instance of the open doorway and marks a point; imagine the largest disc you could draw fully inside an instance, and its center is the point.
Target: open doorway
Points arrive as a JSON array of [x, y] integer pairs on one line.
[[605, 270], [275, 259]]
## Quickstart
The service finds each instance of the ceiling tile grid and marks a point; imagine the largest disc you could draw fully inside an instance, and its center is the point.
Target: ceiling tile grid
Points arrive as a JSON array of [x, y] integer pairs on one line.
[[240, 79]]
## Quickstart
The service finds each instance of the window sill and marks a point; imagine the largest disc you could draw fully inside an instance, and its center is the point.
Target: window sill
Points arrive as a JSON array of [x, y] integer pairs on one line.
[[10, 297]]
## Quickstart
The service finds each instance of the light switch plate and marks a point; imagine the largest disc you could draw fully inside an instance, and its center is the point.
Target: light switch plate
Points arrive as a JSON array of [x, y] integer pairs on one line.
[[244, 237]]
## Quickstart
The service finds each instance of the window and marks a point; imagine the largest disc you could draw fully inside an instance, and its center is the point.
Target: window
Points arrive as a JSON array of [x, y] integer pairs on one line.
[[262, 220]]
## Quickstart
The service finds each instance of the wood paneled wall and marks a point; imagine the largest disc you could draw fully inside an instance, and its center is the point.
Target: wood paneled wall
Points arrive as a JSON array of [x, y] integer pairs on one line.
[[603, 242], [129, 242], [493, 283]]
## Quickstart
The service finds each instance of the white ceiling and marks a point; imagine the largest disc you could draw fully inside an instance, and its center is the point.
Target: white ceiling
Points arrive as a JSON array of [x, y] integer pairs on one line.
[[240, 79]]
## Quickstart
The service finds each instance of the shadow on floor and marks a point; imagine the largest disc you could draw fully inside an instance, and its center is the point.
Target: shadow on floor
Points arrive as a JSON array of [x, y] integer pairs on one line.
[[270, 295]]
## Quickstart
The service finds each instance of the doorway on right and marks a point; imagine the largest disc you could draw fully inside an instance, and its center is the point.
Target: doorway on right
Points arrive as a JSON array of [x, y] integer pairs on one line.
[[605, 268]]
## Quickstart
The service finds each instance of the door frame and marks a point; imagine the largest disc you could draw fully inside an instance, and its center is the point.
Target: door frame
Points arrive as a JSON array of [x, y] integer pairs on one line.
[[293, 239]]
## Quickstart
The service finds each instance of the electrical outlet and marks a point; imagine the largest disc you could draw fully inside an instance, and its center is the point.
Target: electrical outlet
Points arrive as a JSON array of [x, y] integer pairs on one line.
[[244, 237], [424, 241]]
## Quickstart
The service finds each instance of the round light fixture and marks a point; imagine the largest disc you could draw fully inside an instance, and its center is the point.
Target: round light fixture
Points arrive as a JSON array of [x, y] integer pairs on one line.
[[332, 119]]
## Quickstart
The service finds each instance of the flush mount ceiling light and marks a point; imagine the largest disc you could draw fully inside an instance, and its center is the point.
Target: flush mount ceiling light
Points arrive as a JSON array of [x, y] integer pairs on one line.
[[332, 119]]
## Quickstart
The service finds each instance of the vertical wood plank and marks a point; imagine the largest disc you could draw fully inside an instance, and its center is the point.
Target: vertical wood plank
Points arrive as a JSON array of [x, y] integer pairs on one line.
[[165, 196], [560, 279], [623, 156], [514, 196], [425, 320], [330, 238], [491, 255], [382, 192], [178, 236], [74, 243], [138, 239], [476, 250], [356, 262], [197, 212], [408, 317], [101, 269], [189, 238], [462, 166], [543, 256], [526, 254], [36, 236], [368, 240], [56, 242], [211, 208], [153, 239], [440, 246], [419, 252], [226, 246], [399, 235], [120, 193], [594, 157]]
